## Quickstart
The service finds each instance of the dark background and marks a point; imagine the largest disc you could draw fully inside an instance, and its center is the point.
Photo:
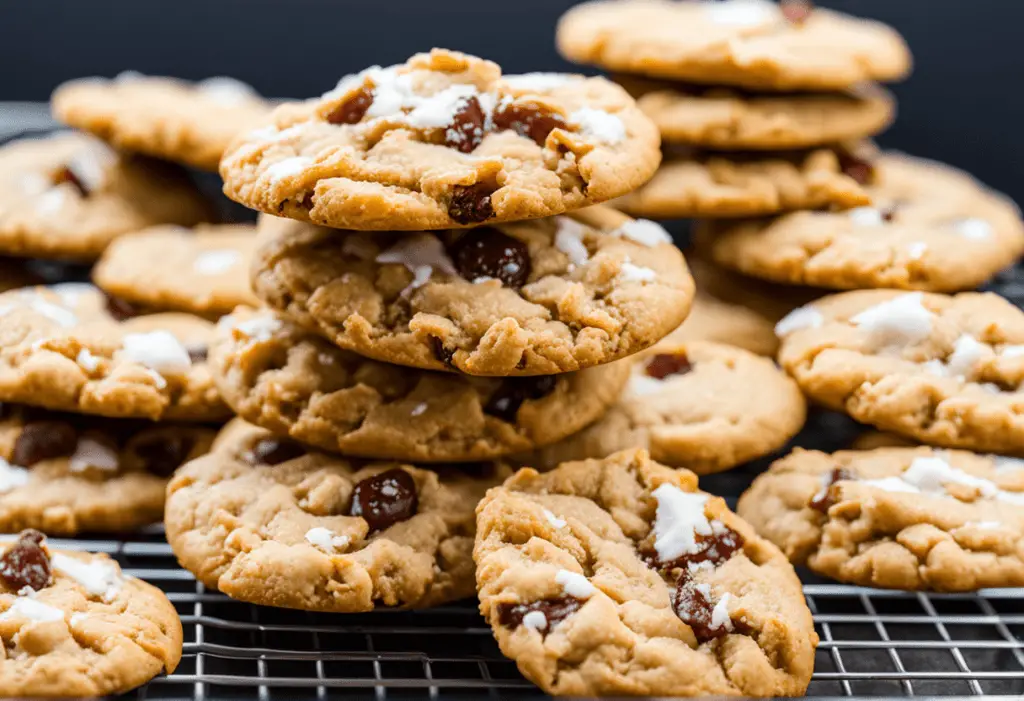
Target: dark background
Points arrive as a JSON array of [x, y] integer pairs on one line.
[[963, 104]]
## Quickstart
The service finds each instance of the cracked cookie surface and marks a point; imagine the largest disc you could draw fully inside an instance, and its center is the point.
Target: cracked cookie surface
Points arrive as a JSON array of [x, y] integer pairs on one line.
[[749, 43], [266, 521], [925, 220], [189, 123], [74, 626], [541, 297], [444, 141], [901, 518], [944, 370], [617, 577], [68, 196], [68, 347], [203, 271], [296, 383]]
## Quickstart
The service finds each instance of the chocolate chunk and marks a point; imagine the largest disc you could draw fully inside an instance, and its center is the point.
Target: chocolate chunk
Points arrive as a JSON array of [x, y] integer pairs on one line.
[[385, 499], [505, 402], [440, 352], [273, 451], [467, 128], [44, 440], [198, 355], [527, 120], [26, 564], [353, 109], [694, 608], [861, 170], [889, 213], [121, 309], [796, 11], [824, 499], [665, 364], [162, 454], [555, 611], [471, 204], [486, 252], [713, 549], [67, 175]]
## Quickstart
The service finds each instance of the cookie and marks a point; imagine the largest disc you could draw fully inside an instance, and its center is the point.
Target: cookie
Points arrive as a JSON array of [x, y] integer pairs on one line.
[[444, 141], [869, 440], [203, 271], [750, 43], [943, 370], [66, 474], [900, 518], [68, 196], [730, 118], [699, 405], [618, 577], [68, 347], [552, 295], [295, 383], [266, 521], [925, 221], [73, 625], [693, 184], [189, 123]]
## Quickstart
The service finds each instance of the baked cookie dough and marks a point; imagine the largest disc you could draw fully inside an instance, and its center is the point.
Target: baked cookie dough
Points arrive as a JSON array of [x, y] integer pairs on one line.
[[74, 626], [295, 383], [694, 184], [750, 43], [68, 196], [930, 227], [901, 518], [617, 577], [943, 370], [699, 405], [717, 117], [204, 270], [444, 141], [66, 474], [189, 123], [266, 521], [68, 347], [547, 296]]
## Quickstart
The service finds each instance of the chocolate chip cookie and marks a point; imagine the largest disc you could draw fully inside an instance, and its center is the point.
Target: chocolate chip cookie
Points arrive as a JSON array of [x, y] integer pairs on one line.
[[552, 295], [267, 521], [203, 271], [443, 141], [296, 383], [68, 347], [74, 626], [943, 370], [902, 518], [68, 196], [618, 577], [189, 123]]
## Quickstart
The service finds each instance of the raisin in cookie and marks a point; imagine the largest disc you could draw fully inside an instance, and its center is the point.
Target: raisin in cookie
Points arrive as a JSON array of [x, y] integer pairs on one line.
[[68, 196], [746, 184], [944, 370], [74, 626], [444, 141], [617, 577], [266, 521], [751, 43], [699, 405], [68, 347], [296, 383], [190, 123], [902, 518], [926, 220], [541, 297], [204, 270]]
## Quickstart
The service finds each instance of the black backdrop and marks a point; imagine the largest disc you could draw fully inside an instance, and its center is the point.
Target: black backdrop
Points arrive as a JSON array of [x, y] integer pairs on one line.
[[963, 104]]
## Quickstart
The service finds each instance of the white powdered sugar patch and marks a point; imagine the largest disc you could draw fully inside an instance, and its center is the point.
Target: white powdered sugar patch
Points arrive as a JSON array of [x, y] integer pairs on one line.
[[720, 613], [866, 216], [90, 165], [973, 228], [78, 618], [600, 125], [892, 484], [227, 91], [98, 577], [27, 607], [636, 273], [422, 254], [54, 200], [967, 351], [916, 250], [11, 476], [215, 262], [984, 525], [71, 293], [554, 520], [575, 584], [158, 380], [799, 319], [324, 539], [678, 520], [257, 329], [1012, 352], [536, 620], [418, 409], [91, 453], [539, 82], [287, 168], [741, 13], [1001, 463], [54, 312], [157, 350], [897, 323], [930, 475], [439, 110], [569, 240], [644, 232], [33, 184]]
